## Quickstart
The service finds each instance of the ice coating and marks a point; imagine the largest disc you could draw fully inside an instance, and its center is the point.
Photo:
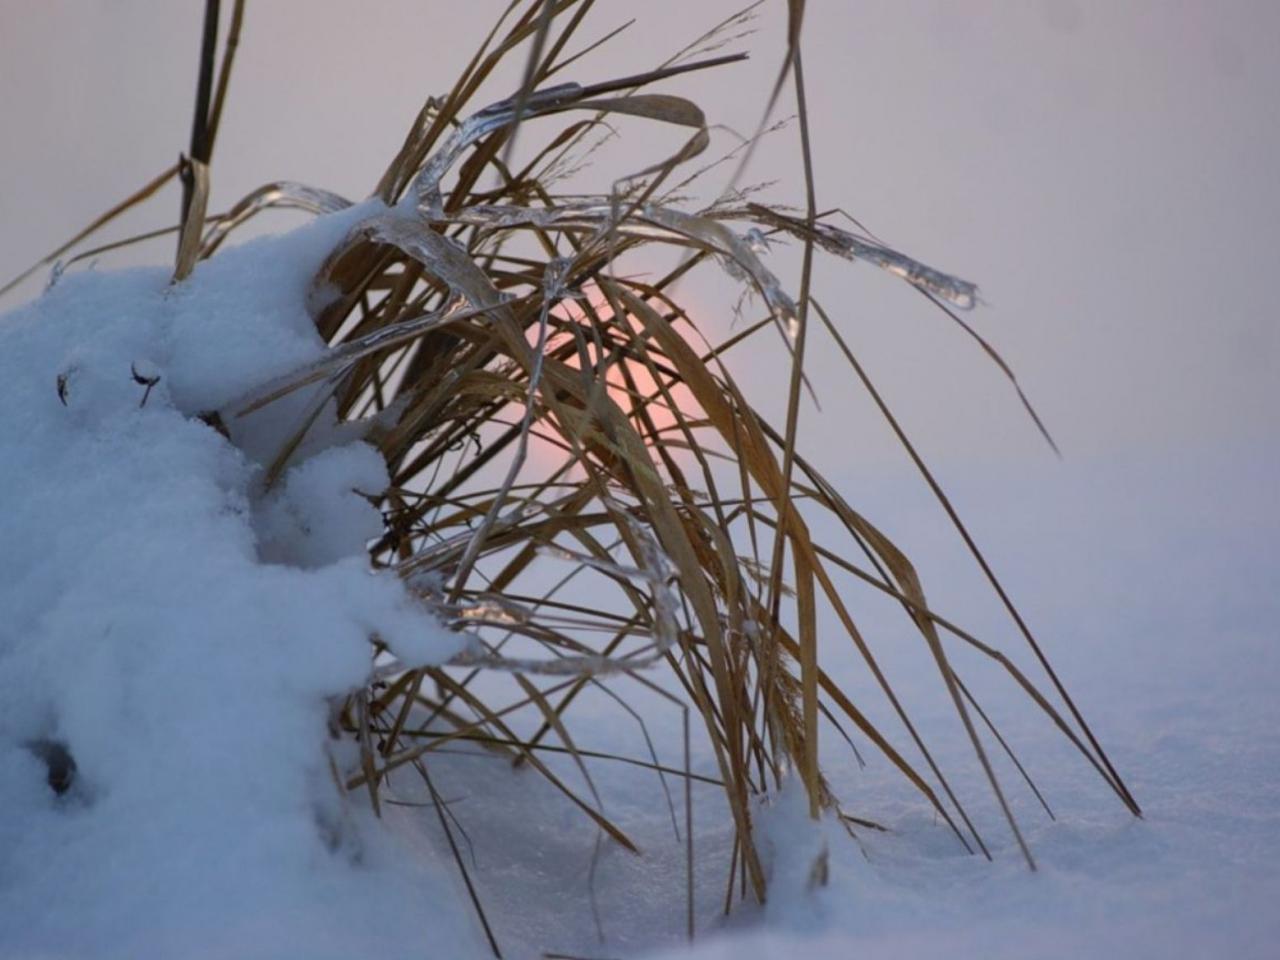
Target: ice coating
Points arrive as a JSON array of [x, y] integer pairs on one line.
[[425, 191], [650, 220], [959, 293], [284, 193]]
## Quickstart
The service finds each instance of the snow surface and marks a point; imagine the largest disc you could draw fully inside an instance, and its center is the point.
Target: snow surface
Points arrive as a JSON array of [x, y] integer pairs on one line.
[[1153, 580], [182, 631], [1160, 605]]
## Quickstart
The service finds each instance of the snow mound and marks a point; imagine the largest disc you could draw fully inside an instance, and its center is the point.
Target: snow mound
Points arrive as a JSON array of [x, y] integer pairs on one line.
[[172, 634]]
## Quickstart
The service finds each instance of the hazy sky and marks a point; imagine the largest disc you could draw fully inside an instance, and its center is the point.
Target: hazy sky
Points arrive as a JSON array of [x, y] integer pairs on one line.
[[1106, 171]]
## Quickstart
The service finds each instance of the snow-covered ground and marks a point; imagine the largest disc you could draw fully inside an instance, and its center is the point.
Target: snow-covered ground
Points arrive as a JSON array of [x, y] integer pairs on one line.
[[1156, 584], [1153, 582], [180, 632]]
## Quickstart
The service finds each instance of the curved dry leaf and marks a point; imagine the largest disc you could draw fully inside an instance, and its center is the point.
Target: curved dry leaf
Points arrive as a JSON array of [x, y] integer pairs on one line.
[[281, 194]]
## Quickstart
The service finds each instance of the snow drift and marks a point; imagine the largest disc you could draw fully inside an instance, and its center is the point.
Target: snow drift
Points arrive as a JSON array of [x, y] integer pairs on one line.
[[177, 631]]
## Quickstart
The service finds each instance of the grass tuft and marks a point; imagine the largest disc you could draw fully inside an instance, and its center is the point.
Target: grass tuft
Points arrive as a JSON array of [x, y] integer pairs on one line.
[[546, 416]]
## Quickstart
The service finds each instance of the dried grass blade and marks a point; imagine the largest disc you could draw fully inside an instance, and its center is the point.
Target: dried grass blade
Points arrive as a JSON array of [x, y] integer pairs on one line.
[[148, 190], [196, 175], [1113, 779], [457, 857]]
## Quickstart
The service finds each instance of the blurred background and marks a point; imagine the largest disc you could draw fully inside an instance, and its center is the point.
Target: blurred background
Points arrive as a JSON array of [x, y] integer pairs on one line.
[[1106, 172]]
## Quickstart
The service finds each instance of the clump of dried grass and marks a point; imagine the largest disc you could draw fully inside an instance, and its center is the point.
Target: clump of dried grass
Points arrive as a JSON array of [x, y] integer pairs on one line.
[[483, 310]]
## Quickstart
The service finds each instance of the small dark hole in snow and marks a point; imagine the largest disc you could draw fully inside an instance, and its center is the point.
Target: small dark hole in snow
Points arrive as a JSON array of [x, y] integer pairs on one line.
[[61, 766]]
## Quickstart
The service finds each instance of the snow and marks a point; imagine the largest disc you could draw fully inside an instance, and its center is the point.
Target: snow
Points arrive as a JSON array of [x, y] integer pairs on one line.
[[1163, 603], [1151, 579], [182, 631]]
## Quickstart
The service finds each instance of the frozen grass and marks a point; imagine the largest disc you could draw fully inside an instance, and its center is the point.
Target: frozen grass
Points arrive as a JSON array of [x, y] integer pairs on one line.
[[574, 482]]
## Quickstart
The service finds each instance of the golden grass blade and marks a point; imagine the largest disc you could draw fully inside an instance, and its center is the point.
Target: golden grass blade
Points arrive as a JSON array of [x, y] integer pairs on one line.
[[1013, 757], [457, 858], [795, 21], [120, 244], [999, 361], [804, 581], [594, 45], [1113, 778], [196, 179], [147, 190], [531, 70], [909, 583], [600, 820], [753, 450], [224, 72], [881, 583]]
